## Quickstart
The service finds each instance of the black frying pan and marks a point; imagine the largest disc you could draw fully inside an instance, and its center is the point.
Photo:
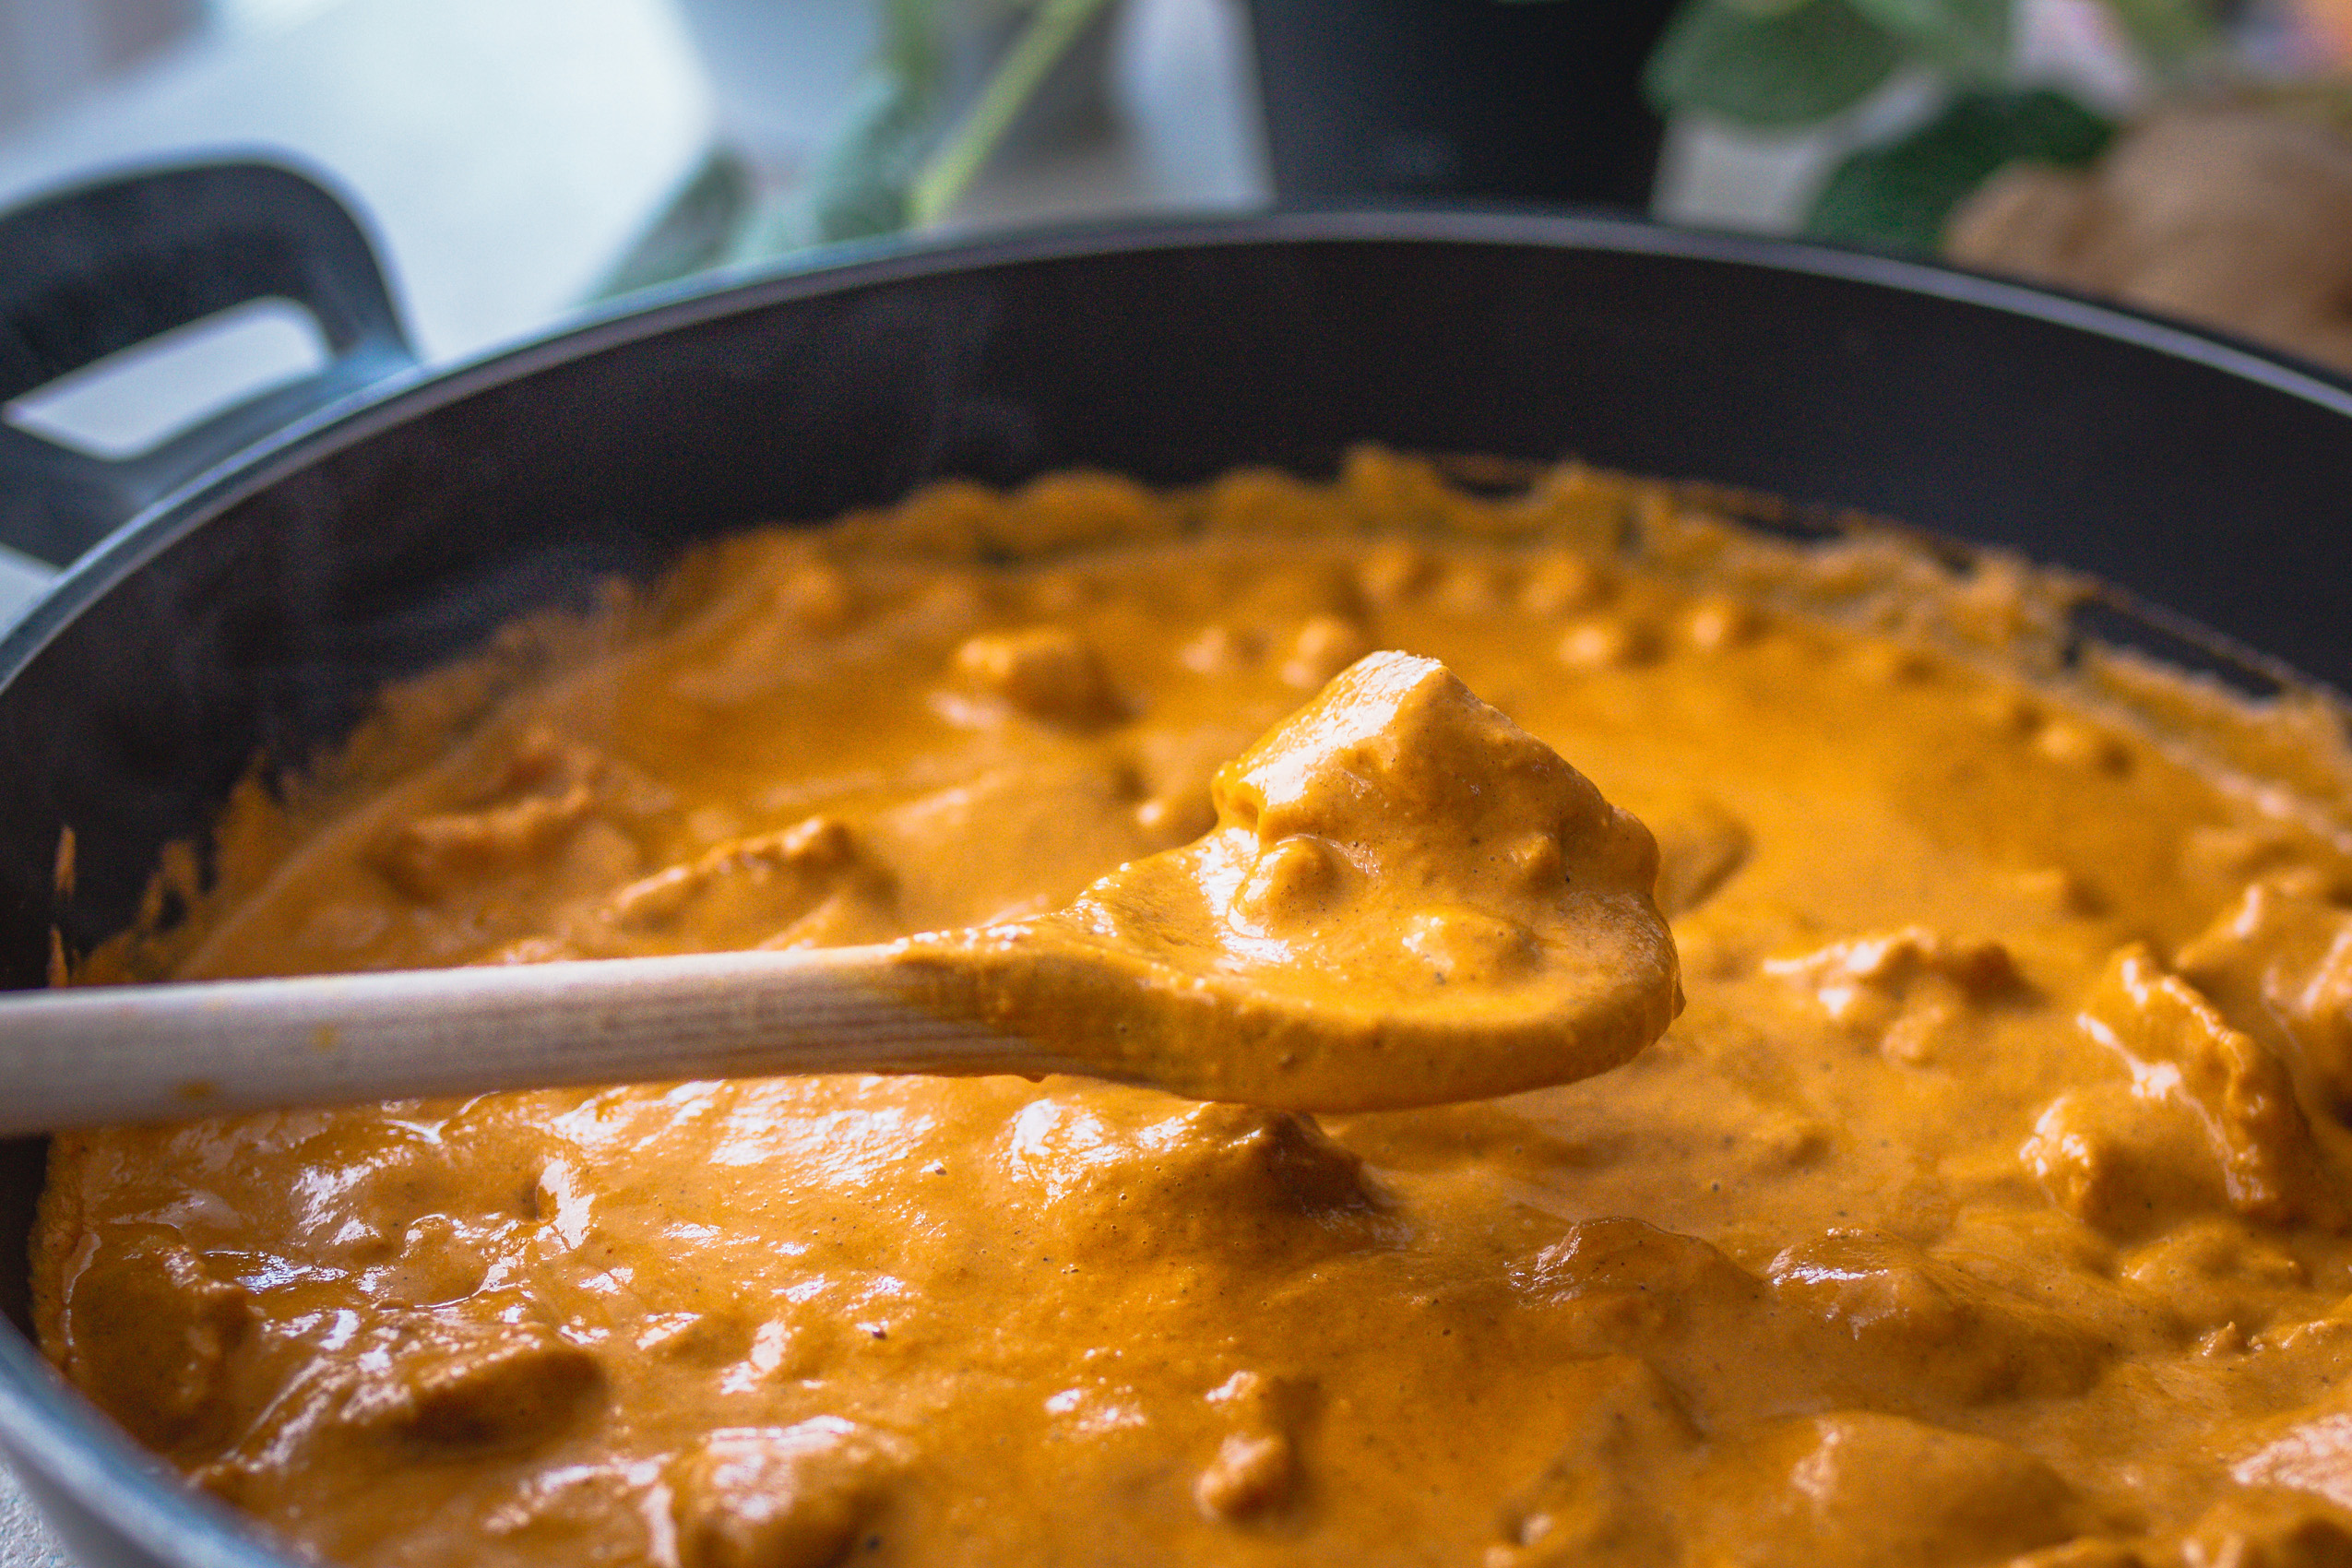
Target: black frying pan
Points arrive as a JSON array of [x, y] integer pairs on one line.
[[270, 582]]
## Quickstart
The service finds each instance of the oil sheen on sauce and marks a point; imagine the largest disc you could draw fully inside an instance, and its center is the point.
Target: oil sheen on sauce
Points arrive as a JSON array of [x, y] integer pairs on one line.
[[1985, 1203]]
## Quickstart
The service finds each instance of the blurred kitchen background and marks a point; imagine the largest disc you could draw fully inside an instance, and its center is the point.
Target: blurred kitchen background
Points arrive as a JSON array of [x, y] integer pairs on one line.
[[518, 158]]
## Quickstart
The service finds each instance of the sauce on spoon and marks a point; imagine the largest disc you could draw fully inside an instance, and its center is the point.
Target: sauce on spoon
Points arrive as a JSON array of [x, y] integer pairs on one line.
[[1407, 900]]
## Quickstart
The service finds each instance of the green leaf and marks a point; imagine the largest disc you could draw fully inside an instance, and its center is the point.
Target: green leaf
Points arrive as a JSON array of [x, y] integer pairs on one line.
[[1970, 38], [895, 162], [1899, 197], [1769, 70], [861, 183], [1053, 25], [2168, 32]]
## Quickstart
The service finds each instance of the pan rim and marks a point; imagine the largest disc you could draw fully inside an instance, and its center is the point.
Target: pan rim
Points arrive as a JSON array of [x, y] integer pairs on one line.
[[417, 390]]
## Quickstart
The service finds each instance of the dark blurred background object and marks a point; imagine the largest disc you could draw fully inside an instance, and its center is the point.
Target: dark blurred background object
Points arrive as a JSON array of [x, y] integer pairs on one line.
[[1491, 99]]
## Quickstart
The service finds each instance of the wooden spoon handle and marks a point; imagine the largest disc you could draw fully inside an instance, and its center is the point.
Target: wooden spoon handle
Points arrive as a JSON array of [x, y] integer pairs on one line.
[[111, 1054]]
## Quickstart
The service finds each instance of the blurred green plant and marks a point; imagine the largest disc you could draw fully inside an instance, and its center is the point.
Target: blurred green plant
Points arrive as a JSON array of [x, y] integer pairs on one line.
[[1778, 64], [1899, 196], [1786, 64], [902, 156], [858, 184], [898, 162]]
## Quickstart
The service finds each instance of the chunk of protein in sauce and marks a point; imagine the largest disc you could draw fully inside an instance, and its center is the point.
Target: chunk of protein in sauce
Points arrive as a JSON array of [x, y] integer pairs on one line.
[[1406, 899]]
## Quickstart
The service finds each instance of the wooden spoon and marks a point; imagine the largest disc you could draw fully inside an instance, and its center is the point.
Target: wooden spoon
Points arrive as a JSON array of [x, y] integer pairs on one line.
[[166, 1052], [1407, 900]]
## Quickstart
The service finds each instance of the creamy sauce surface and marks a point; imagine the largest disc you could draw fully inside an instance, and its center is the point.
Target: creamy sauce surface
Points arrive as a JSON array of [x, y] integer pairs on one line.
[[1985, 1203]]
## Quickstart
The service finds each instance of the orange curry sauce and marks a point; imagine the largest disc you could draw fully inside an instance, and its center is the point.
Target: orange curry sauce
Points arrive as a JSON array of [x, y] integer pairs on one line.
[[1986, 1201]]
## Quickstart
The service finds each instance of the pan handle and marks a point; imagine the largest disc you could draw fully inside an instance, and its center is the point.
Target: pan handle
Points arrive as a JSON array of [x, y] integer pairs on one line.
[[96, 269]]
